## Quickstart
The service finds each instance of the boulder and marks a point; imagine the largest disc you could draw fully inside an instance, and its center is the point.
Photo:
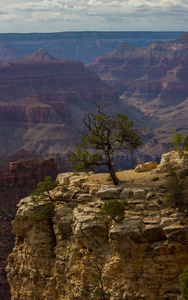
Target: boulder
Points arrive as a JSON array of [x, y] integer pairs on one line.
[[175, 232], [173, 158], [109, 192], [146, 167], [153, 233], [139, 193]]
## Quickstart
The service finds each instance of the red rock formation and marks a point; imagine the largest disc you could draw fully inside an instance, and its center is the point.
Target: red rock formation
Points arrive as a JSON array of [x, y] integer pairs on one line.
[[21, 179], [154, 80], [43, 100]]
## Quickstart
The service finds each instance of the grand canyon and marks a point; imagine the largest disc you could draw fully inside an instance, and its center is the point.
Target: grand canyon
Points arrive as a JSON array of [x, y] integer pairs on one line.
[[154, 81], [49, 81], [43, 99]]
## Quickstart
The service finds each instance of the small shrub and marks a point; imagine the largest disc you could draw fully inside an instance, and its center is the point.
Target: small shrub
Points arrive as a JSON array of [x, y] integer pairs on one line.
[[177, 192], [43, 189], [156, 178], [179, 142], [124, 202], [47, 212], [183, 278], [98, 281], [114, 210]]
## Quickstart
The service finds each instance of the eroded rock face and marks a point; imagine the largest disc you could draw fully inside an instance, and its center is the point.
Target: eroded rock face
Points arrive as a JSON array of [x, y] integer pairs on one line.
[[174, 159], [154, 80], [21, 179], [43, 101], [141, 257]]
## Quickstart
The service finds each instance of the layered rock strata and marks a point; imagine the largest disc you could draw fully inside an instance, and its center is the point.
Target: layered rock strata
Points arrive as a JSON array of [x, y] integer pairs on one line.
[[43, 101], [154, 81], [21, 179], [139, 258]]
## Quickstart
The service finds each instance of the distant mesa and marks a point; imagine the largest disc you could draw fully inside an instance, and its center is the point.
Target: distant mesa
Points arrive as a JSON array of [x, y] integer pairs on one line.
[[183, 38], [40, 55]]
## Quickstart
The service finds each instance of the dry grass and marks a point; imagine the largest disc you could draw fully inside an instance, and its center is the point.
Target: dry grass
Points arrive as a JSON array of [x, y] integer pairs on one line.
[[130, 178]]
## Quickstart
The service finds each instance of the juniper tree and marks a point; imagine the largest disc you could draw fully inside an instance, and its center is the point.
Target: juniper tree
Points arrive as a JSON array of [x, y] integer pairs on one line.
[[106, 134]]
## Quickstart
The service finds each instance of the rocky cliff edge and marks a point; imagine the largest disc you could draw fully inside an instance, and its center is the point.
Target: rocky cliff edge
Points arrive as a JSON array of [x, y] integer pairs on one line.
[[65, 257]]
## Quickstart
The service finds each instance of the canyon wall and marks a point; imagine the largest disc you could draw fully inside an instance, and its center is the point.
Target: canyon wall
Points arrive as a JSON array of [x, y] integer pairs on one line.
[[21, 179], [64, 257], [154, 81], [43, 101]]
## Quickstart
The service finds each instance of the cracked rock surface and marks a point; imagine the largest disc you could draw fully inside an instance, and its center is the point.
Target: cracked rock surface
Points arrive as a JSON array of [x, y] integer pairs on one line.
[[141, 257]]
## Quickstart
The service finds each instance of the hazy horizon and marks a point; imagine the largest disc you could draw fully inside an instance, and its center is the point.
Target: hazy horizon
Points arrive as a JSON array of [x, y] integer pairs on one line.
[[32, 16]]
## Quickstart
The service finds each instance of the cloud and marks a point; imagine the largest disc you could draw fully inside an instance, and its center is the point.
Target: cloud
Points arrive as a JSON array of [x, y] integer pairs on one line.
[[45, 5], [43, 16], [94, 13], [8, 17]]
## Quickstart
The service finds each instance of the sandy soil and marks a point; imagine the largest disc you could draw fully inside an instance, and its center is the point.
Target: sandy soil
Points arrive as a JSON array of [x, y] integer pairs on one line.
[[129, 178]]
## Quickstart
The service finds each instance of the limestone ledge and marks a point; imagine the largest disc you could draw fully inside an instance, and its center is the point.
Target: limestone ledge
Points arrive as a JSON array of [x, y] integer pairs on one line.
[[142, 256]]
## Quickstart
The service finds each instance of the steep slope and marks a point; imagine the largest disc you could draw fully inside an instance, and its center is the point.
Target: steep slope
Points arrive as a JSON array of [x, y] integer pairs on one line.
[[21, 178], [152, 79], [38, 99]]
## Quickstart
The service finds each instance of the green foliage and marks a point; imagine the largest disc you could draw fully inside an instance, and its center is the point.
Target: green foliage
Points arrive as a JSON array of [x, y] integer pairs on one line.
[[156, 178], [47, 213], [113, 209], [183, 278], [106, 135], [41, 192], [43, 189], [97, 288], [124, 202], [185, 143], [176, 189], [84, 159], [179, 142]]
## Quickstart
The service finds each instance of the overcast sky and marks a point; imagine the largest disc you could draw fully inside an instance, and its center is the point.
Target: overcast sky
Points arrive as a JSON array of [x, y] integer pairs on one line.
[[91, 15]]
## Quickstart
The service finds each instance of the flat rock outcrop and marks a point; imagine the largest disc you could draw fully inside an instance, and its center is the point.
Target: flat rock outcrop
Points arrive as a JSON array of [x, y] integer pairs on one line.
[[60, 258]]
